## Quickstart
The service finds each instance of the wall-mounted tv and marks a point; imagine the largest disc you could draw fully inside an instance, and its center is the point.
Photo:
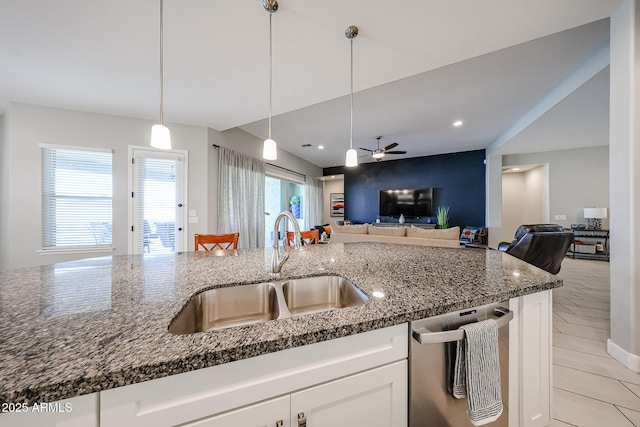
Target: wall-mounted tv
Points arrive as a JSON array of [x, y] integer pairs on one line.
[[410, 203]]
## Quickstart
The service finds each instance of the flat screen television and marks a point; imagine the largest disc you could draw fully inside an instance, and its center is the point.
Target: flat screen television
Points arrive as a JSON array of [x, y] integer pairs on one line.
[[410, 203]]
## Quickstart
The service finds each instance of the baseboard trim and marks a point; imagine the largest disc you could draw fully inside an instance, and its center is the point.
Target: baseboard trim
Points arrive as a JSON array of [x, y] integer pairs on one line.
[[628, 359]]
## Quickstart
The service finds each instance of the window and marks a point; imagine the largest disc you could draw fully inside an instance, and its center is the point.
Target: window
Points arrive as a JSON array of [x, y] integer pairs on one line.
[[77, 193]]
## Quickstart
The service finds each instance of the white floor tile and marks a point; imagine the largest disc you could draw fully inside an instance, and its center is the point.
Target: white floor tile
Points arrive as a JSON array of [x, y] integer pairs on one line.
[[633, 416], [584, 345], [594, 386], [591, 312], [558, 423], [582, 331], [604, 366], [582, 411], [592, 322], [634, 388]]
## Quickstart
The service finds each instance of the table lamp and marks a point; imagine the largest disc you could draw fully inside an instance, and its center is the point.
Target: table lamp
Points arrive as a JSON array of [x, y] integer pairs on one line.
[[594, 217]]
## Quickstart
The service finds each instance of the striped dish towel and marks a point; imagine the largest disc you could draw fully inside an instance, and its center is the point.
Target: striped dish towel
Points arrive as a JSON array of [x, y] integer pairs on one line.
[[477, 372]]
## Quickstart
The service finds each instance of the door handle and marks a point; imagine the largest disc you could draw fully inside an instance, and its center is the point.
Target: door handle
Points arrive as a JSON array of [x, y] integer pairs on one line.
[[302, 420], [425, 336]]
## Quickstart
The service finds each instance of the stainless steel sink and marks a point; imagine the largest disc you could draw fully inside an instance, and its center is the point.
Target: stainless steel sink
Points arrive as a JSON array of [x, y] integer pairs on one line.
[[314, 294], [246, 304], [227, 307]]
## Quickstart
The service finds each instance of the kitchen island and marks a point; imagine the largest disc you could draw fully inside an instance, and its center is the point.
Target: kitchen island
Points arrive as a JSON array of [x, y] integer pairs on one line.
[[80, 328]]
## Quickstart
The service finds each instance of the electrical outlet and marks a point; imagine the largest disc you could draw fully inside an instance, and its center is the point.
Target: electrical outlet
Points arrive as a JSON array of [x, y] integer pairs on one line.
[[560, 217]]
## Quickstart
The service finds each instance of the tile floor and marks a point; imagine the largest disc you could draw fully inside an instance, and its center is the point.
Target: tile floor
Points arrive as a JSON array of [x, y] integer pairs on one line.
[[589, 387]]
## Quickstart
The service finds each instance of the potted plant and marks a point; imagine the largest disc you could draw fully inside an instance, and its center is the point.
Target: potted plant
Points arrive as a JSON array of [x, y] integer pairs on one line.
[[442, 215]]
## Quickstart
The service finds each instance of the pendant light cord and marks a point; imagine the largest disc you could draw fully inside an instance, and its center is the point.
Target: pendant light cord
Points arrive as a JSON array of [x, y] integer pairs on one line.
[[161, 62], [351, 126], [270, 73]]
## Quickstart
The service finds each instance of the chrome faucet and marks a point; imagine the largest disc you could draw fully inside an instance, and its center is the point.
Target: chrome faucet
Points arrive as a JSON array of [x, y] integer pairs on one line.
[[276, 261]]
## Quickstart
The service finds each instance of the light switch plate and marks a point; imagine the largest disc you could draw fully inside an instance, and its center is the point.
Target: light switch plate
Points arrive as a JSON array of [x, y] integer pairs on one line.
[[192, 212], [193, 220], [560, 217]]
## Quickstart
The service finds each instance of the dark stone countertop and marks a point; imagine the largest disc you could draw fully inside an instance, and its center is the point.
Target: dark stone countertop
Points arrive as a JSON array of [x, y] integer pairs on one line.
[[79, 327]]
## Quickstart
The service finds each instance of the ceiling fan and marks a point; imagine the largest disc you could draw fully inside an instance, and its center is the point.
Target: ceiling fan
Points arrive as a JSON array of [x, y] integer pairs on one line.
[[379, 153]]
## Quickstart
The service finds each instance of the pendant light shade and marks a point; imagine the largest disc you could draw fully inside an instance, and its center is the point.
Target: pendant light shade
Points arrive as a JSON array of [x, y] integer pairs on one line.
[[160, 134], [352, 155], [270, 149], [160, 137], [352, 158]]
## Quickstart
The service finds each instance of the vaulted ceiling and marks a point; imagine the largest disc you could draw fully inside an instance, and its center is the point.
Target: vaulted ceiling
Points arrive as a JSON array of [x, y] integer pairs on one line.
[[418, 66]]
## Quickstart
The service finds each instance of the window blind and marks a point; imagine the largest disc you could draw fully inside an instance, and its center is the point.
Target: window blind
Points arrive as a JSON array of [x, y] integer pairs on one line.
[[77, 194]]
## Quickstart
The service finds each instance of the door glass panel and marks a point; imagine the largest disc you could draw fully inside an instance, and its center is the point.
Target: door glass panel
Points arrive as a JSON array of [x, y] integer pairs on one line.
[[282, 195], [157, 202]]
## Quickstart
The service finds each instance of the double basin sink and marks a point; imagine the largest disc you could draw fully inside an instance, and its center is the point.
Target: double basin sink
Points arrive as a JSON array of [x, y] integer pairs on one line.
[[247, 304]]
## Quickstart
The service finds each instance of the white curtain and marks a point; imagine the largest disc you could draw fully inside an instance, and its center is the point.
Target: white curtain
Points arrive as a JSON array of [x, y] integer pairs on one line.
[[313, 201], [241, 197]]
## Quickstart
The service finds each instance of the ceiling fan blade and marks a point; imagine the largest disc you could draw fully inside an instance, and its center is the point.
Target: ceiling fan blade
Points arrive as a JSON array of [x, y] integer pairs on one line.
[[390, 146], [365, 149], [395, 152]]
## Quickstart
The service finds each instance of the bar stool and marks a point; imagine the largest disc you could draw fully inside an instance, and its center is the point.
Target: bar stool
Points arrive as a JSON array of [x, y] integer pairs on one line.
[[210, 242]]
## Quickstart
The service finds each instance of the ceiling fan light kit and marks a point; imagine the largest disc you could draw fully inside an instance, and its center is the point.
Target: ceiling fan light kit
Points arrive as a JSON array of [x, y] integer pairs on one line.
[[379, 153]]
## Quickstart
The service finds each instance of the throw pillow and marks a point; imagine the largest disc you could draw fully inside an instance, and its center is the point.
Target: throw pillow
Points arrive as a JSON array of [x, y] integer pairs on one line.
[[452, 233], [351, 229], [387, 231]]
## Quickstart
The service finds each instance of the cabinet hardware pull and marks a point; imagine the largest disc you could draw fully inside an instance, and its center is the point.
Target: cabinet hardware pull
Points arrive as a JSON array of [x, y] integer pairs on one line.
[[279, 423], [302, 420]]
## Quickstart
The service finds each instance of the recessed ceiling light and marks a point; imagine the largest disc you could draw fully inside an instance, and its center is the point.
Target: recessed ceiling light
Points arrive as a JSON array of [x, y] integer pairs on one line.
[[320, 147], [333, 176], [457, 123], [515, 169]]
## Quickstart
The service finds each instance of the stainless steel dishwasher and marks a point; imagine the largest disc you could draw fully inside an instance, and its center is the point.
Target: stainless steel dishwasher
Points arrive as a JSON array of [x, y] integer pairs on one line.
[[431, 362]]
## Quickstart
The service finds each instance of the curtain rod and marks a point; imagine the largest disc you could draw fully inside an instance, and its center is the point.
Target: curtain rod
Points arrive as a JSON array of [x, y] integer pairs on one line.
[[275, 166]]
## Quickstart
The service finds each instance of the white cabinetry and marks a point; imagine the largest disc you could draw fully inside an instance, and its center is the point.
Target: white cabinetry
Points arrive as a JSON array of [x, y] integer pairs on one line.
[[349, 373], [530, 357], [375, 398]]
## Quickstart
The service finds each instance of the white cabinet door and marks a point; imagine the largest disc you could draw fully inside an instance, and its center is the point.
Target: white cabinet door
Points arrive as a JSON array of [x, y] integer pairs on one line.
[[272, 413], [532, 347], [375, 398]]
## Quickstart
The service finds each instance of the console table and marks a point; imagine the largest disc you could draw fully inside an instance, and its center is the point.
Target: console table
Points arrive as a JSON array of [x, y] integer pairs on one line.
[[406, 224], [594, 237]]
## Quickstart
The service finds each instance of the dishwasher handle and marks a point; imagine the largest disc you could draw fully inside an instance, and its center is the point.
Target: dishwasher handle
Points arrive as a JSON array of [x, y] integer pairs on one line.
[[425, 336]]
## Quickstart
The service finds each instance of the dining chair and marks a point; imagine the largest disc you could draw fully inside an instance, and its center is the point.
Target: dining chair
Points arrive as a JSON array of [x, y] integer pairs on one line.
[[210, 242], [310, 237]]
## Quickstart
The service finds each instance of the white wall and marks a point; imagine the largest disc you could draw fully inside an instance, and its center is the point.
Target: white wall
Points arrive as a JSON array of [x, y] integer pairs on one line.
[[32, 125], [525, 198], [577, 179]]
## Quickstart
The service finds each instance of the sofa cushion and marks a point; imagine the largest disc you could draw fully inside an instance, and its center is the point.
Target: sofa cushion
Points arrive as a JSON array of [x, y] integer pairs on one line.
[[351, 229], [387, 231], [452, 233]]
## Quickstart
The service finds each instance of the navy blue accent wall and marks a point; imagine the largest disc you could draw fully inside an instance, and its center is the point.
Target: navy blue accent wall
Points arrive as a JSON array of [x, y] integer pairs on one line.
[[458, 180]]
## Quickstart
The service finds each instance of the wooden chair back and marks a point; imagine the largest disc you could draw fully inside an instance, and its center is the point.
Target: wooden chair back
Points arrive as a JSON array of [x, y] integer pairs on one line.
[[210, 242], [308, 237]]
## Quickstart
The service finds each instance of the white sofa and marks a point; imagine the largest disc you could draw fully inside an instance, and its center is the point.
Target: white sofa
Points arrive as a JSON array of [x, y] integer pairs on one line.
[[401, 235]]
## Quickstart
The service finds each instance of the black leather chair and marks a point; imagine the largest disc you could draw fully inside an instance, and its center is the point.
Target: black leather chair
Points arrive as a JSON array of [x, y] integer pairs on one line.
[[542, 245]]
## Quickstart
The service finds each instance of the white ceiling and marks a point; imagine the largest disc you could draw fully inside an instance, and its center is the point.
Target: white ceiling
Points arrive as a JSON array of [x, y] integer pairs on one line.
[[418, 65]]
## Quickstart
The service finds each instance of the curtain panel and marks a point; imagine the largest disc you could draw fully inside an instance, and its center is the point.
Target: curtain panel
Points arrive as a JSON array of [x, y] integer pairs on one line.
[[313, 201], [241, 197]]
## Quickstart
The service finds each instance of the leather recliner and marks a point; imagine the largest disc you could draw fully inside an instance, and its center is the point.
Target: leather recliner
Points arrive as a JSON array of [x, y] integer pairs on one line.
[[542, 245]]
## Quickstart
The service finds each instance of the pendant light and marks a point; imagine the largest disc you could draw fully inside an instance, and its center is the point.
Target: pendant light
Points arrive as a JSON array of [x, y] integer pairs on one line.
[[269, 149], [160, 134], [352, 155]]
